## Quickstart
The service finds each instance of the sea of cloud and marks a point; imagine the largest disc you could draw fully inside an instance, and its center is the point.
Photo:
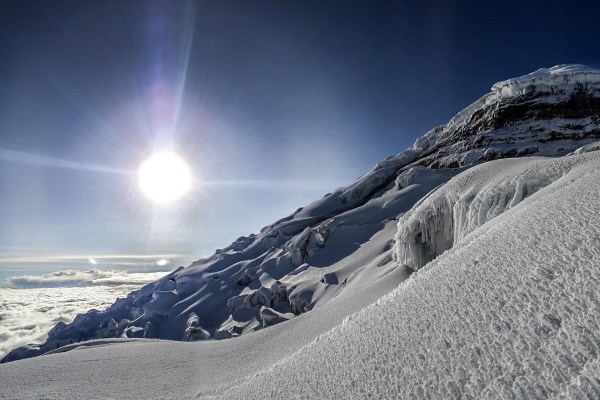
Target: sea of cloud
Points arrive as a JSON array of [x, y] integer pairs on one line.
[[31, 305]]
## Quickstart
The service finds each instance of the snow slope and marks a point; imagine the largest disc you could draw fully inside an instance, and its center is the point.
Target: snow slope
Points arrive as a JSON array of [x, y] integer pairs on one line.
[[141, 368], [509, 311], [335, 244]]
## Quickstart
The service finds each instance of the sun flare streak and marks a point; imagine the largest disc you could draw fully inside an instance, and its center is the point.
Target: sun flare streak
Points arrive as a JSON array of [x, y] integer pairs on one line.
[[22, 157]]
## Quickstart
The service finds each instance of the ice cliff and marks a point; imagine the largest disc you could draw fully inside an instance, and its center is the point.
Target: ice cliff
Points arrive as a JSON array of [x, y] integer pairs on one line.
[[446, 216], [344, 241]]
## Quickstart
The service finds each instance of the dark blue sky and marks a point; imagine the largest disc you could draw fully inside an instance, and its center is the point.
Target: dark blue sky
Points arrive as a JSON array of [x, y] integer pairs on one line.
[[302, 95]]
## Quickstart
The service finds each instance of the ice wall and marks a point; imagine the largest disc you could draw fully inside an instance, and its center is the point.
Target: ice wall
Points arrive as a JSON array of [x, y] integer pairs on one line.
[[449, 214]]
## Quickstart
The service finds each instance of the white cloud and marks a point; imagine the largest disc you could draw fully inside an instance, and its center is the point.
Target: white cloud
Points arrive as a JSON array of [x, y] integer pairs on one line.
[[71, 278], [34, 304]]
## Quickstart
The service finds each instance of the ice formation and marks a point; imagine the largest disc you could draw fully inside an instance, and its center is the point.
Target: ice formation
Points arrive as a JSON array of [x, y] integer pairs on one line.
[[343, 242], [511, 312], [446, 216]]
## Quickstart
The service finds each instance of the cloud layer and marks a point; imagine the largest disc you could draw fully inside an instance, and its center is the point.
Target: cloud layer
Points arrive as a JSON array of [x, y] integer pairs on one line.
[[34, 304], [76, 278]]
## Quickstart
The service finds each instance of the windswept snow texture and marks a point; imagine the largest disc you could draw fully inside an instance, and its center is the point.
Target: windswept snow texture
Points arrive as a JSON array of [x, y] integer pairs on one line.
[[334, 244], [511, 312]]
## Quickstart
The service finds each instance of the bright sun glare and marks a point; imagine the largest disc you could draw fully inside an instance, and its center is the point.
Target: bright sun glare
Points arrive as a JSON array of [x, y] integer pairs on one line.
[[164, 177]]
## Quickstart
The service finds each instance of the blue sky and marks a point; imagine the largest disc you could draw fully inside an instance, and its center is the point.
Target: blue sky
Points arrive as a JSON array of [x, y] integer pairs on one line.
[[283, 101]]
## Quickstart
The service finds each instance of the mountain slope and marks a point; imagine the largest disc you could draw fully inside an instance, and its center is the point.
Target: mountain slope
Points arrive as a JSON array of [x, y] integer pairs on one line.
[[510, 311], [343, 242]]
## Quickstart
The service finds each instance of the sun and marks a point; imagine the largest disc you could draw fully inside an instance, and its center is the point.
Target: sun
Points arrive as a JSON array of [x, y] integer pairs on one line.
[[164, 177]]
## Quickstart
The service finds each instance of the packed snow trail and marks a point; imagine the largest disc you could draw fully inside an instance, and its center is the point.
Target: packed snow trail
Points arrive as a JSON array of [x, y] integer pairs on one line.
[[512, 311]]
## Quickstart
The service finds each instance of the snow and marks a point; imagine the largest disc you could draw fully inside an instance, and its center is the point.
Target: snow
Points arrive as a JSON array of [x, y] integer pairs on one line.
[[142, 368], [501, 304], [522, 136], [557, 77], [508, 312], [287, 270], [447, 216], [282, 268], [587, 148]]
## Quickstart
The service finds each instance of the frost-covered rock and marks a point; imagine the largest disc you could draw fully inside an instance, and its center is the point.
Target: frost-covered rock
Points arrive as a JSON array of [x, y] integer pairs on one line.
[[550, 112]]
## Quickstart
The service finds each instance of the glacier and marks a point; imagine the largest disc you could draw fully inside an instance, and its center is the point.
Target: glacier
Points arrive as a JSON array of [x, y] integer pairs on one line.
[[510, 311], [446, 216], [306, 259], [460, 268]]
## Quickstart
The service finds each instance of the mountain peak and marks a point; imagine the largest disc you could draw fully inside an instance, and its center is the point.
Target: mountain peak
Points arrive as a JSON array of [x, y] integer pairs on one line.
[[555, 71], [559, 76], [547, 113]]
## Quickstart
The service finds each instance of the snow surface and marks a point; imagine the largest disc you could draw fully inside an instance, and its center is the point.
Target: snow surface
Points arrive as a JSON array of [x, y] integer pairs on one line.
[[303, 261], [587, 148], [446, 216], [557, 77], [501, 306], [511, 311], [141, 368], [287, 270]]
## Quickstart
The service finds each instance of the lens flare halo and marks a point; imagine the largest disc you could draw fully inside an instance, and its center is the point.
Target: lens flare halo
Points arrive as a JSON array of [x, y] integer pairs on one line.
[[164, 177]]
